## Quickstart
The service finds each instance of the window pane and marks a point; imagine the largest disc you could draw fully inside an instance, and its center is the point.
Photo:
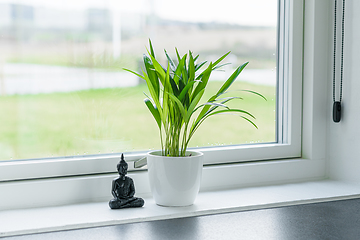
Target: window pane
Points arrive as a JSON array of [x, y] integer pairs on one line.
[[63, 90]]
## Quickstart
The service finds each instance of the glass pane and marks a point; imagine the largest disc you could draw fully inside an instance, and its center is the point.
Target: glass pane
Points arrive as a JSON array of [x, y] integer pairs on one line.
[[63, 90]]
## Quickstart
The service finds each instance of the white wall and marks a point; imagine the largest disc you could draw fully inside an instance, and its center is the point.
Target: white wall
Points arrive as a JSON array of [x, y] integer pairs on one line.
[[344, 137]]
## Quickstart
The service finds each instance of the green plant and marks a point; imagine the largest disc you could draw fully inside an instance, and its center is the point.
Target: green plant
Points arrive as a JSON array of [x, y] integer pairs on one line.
[[176, 92]]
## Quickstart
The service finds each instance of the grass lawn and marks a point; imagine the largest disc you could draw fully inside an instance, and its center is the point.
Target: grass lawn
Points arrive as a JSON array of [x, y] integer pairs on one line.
[[116, 120]]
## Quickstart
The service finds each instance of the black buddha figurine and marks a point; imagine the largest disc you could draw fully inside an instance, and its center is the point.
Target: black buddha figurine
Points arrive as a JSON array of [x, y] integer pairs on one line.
[[123, 189]]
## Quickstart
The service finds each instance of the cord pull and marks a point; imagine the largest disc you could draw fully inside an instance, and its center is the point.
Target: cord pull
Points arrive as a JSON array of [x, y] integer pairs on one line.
[[337, 112]]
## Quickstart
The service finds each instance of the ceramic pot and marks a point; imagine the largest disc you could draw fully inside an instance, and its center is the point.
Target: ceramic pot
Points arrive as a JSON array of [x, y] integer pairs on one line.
[[175, 181]]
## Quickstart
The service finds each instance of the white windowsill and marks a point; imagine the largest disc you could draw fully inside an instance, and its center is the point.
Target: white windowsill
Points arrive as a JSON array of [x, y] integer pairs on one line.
[[26, 221]]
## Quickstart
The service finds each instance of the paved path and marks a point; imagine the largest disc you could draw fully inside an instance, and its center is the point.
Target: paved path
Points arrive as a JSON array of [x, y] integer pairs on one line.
[[33, 79]]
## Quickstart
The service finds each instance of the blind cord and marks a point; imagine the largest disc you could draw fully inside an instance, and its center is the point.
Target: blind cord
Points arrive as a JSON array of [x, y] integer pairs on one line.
[[337, 104]]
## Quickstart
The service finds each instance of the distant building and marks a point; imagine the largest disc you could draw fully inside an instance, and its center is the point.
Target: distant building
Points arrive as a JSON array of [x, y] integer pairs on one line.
[[98, 19], [19, 21], [99, 22], [22, 13], [57, 19]]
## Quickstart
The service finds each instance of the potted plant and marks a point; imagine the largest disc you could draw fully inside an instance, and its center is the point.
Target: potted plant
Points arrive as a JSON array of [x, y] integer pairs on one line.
[[175, 97]]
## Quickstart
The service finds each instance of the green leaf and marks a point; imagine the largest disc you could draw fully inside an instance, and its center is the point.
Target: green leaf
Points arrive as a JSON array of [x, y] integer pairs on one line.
[[152, 74], [249, 121], [179, 104], [154, 111], [177, 54], [193, 104], [186, 89], [204, 80], [151, 49], [184, 72], [198, 66], [159, 69], [201, 119], [167, 87], [231, 79], [220, 59], [225, 100], [217, 67], [216, 104], [196, 57], [172, 64], [174, 87], [178, 71], [256, 93], [191, 69], [186, 99], [134, 73], [231, 110], [181, 86], [152, 91]]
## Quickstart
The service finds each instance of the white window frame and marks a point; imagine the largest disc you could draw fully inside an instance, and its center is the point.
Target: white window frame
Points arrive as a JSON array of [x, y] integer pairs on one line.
[[277, 163]]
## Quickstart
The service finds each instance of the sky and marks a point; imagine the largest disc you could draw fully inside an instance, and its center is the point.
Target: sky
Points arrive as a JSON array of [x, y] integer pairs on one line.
[[244, 12]]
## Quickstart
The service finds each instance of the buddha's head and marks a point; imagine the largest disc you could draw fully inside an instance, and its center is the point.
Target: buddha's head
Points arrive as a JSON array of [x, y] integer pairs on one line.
[[122, 166]]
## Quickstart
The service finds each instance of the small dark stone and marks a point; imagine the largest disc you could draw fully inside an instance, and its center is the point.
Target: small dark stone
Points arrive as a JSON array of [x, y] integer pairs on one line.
[[123, 189]]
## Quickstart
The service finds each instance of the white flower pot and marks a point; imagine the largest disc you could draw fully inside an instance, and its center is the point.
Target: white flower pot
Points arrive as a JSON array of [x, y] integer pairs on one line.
[[175, 181]]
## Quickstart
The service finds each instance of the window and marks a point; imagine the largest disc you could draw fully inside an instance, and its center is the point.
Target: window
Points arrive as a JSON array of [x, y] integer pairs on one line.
[[79, 47], [308, 45]]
